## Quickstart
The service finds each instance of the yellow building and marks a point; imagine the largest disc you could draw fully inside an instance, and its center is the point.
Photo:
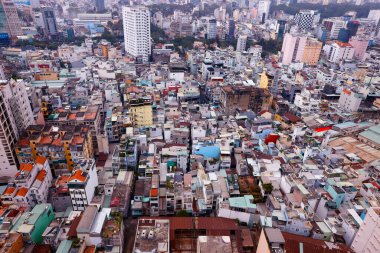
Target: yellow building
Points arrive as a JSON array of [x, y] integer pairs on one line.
[[105, 49], [264, 80], [312, 51], [141, 113], [64, 146]]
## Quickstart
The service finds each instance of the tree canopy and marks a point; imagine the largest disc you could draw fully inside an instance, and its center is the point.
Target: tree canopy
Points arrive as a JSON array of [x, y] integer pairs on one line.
[[327, 11]]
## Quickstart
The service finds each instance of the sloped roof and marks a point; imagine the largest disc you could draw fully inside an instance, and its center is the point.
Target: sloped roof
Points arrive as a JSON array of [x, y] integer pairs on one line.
[[293, 244], [22, 192]]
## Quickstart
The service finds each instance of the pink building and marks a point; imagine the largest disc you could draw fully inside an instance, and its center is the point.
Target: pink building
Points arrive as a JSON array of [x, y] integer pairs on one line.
[[292, 48], [360, 47], [300, 48]]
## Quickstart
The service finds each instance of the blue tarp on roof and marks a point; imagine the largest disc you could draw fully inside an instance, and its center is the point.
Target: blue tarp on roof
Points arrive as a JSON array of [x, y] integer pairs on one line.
[[209, 152]]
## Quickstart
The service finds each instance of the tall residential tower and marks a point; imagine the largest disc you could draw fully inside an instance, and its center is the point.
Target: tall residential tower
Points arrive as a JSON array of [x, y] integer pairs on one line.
[[136, 24], [12, 21], [50, 23], [15, 116]]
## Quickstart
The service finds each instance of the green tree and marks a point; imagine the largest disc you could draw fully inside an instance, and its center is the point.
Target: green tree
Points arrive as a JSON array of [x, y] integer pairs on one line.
[[182, 213], [158, 34], [327, 11], [268, 188]]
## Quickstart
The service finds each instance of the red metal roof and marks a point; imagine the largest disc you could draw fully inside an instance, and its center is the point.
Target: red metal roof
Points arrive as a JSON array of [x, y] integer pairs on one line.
[[293, 242], [323, 129]]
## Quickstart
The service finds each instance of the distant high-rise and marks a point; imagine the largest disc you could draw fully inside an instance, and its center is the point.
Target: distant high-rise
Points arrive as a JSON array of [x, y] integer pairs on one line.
[[70, 34], [374, 15], [352, 27], [280, 28], [263, 10], [305, 19], [300, 48], [344, 35], [333, 25], [360, 45], [136, 24], [322, 33], [50, 23], [241, 43], [3, 21], [99, 4], [12, 23], [231, 29], [211, 29]]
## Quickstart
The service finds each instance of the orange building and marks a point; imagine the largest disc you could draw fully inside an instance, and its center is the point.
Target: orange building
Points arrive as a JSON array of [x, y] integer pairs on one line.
[[63, 146], [46, 76], [13, 243], [312, 51]]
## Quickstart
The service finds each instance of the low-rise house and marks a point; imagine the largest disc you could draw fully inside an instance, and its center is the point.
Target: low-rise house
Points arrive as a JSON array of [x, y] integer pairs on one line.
[[82, 184], [31, 225]]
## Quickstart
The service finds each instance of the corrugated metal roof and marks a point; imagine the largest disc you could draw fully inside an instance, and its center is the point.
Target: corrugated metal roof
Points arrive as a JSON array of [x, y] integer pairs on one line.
[[64, 246]]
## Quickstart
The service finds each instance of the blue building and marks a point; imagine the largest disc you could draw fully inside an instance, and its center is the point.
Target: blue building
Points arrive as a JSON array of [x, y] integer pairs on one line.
[[99, 4], [344, 35], [353, 26], [231, 29], [70, 34], [4, 39], [281, 26], [337, 194]]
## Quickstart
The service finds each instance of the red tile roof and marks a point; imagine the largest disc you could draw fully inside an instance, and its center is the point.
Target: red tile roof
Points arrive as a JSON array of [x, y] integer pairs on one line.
[[62, 180], [57, 142], [77, 140], [41, 175], [91, 115], [22, 192], [72, 116], [23, 143], [9, 190], [133, 89], [26, 167], [45, 140], [41, 160], [347, 91], [293, 118], [343, 44], [77, 175]]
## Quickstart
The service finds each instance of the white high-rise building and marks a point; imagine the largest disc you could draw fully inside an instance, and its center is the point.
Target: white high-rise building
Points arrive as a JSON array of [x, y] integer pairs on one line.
[[374, 15], [136, 23], [338, 51], [367, 239], [13, 22], [15, 116], [241, 43], [263, 10]]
